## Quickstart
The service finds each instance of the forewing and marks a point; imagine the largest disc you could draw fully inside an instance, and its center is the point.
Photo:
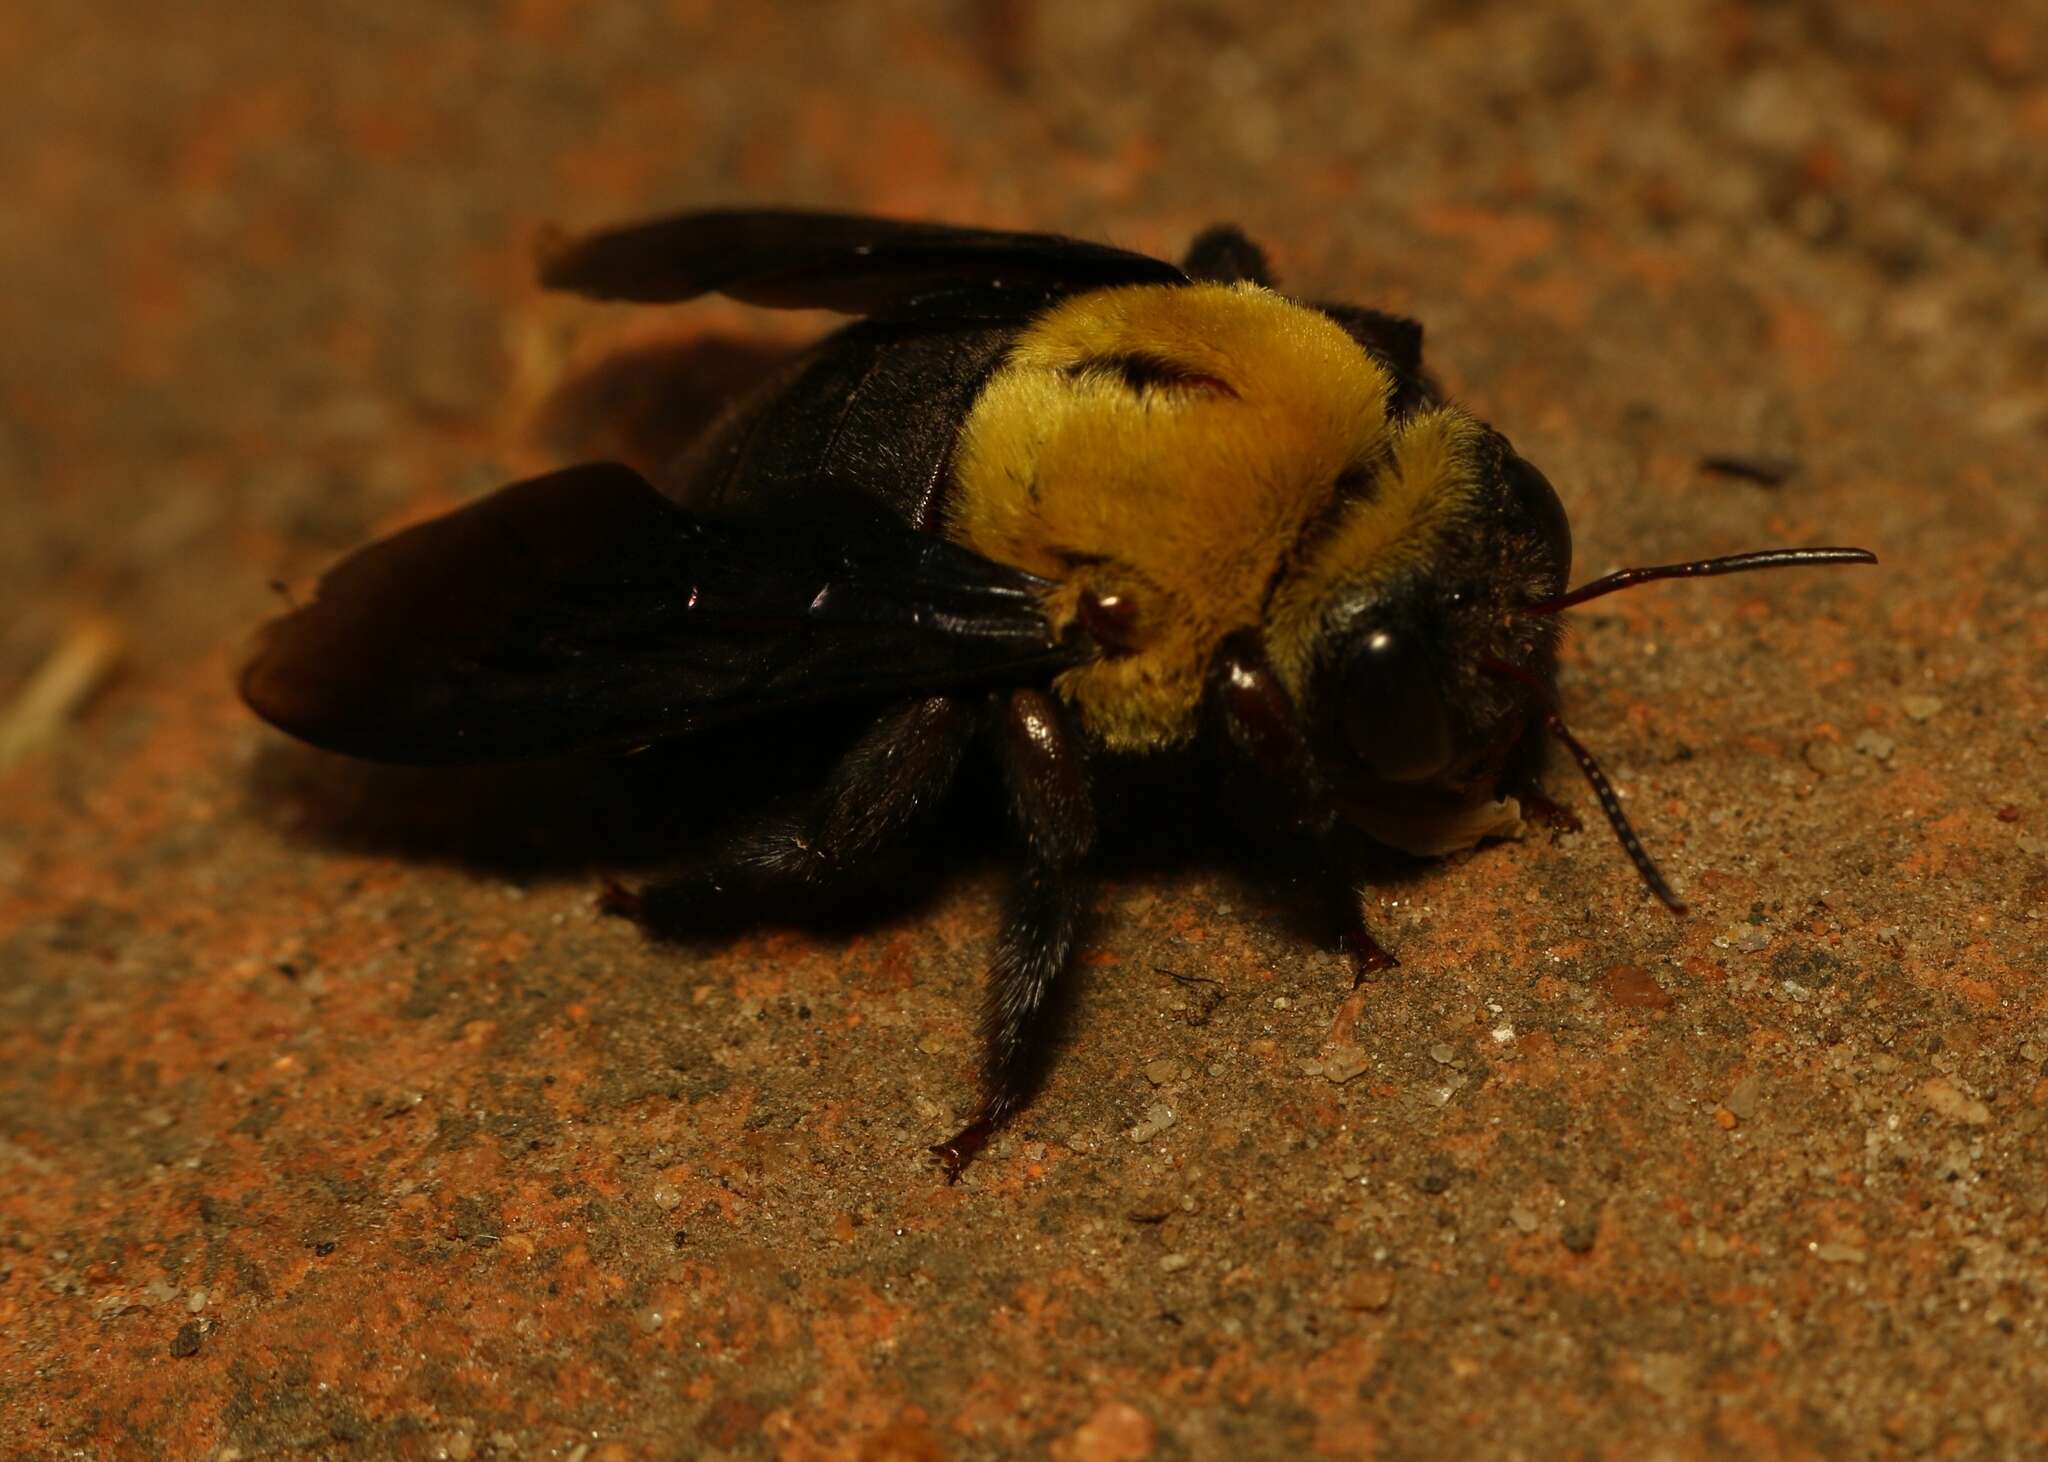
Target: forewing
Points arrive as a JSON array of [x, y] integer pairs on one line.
[[857, 265], [584, 610]]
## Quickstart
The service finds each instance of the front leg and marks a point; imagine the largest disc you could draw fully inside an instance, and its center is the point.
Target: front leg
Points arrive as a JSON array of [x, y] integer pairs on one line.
[[1540, 806], [1259, 720], [1347, 909], [1052, 807]]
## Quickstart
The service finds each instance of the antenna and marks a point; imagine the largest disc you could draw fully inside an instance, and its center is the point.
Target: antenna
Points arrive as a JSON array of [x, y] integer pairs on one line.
[[1610, 800], [1705, 568], [1610, 803]]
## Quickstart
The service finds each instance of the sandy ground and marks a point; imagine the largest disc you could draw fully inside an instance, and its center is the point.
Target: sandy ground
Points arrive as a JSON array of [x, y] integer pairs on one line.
[[335, 1120]]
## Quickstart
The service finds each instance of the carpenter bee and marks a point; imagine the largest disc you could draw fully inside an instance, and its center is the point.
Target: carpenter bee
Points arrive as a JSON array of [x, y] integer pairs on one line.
[[1047, 500]]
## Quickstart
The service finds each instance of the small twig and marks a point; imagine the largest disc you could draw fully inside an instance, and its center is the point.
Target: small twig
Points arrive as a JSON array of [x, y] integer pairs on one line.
[[64, 682], [1186, 979], [1763, 471]]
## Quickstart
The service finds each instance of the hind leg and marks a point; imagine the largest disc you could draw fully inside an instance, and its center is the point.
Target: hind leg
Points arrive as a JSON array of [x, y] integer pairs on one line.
[[898, 770]]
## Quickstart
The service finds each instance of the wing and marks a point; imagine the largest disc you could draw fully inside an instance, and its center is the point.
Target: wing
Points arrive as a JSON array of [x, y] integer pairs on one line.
[[585, 610], [857, 265], [1395, 341]]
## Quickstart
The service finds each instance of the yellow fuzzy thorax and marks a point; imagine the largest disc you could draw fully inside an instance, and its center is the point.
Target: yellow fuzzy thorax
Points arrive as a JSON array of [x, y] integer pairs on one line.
[[1201, 485]]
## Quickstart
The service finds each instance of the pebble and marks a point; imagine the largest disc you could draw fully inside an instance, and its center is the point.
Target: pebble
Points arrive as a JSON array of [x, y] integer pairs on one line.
[[665, 1196], [1160, 1072], [1579, 1234], [458, 1446], [1343, 1063], [1949, 1100], [1741, 1099], [1158, 1117], [650, 1320], [1838, 1253], [1171, 1263], [1152, 1207], [1371, 1289], [186, 1341], [1921, 707], [196, 1301], [2038, 846], [1116, 1431], [1522, 1219], [1633, 986], [1746, 937], [1875, 745], [1442, 1054], [1829, 758]]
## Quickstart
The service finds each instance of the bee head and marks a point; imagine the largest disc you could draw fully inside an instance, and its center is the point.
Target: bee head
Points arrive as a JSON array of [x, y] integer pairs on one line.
[[1399, 693], [1419, 636], [1387, 627]]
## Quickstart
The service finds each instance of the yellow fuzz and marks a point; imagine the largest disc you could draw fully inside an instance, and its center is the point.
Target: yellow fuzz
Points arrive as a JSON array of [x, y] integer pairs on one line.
[[1188, 498], [1421, 497]]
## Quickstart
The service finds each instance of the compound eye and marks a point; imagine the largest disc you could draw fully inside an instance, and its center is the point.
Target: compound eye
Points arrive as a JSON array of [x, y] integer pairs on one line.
[[1391, 712]]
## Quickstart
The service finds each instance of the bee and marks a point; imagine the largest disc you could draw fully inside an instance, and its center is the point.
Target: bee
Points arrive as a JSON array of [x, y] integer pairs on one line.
[[1046, 501]]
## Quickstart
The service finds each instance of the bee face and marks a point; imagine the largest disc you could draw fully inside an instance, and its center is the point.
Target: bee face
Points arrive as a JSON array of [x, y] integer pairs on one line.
[[1410, 713]]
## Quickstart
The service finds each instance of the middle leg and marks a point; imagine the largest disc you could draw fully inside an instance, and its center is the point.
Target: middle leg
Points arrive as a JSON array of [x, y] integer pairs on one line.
[[1051, 805]]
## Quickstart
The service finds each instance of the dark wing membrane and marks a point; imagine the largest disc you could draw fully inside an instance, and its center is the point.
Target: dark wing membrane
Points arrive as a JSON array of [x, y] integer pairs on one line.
[[585, 610], [1395, 341], [857, 265]]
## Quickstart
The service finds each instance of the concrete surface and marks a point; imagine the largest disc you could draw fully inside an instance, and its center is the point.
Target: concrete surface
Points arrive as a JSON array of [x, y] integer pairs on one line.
[[336, 1122]]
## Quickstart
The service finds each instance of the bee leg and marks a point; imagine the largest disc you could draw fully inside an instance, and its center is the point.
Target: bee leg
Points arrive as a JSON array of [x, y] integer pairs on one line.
[[1368, 955], [1540, 807], [1221, 254], [897, 770], [1259, 718], [1052, 807], [1520, 776]]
